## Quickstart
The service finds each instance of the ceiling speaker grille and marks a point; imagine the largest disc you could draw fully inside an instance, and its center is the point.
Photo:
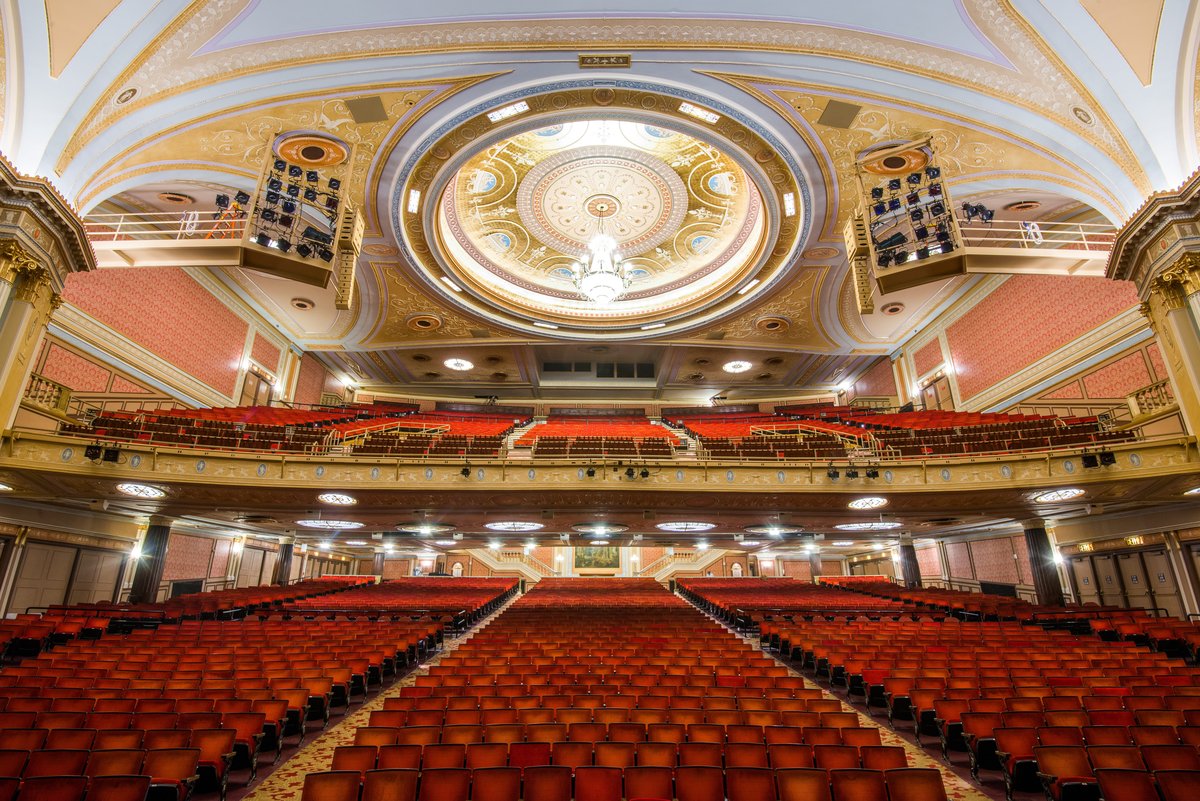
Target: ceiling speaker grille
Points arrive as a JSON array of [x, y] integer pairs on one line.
[[366, 109], [838, 114]]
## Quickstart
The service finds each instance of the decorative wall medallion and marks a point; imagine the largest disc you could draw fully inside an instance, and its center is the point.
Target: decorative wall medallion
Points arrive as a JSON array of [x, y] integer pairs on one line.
[[1006, 471], [729, 476], [200, 465], [1069, 466], [888, 476], [311, 150], [429, 473], [135, 460], [821, 253], [679, 475], [1135, 459], [532, 474], [320, 471], [945, 474], [781, 476], [67, 453], [480, 474], [261, 470], [374, 473]]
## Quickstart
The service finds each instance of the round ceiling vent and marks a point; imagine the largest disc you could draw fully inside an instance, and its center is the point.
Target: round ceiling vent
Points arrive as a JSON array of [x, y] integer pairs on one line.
[[423, 322], [311, 150], [764, 376], [420, 357], [773, 325], [774, 361], [499, 376], [303, 304], [493, 360], [176, 198], [695, 377], [432, 374], [1024, 205], [891, 309], [701, 362], [599, 349], [905, 161], [126, 95]]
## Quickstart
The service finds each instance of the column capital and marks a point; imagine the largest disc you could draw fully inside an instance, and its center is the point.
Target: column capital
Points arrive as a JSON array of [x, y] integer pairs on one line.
[[1170, 288], [1034, 522], [14, 259]]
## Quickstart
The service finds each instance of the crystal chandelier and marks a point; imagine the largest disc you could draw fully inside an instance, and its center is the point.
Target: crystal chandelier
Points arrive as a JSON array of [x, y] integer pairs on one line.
[[601, 277]]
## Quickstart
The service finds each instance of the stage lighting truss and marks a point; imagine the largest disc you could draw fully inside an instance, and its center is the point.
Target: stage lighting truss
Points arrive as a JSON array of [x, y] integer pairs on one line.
[[909, 217], [297, 211]]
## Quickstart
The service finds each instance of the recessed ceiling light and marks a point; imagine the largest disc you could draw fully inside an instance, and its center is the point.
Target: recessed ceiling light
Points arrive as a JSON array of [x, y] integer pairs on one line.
[[324, 546], [699, 113], [443, 543], [750, 543], [458, 364], [1055, 496], [773, 530], [332, 525], [842, 543], [356, 542], [748, 287], [511, 110], [599, 529], [446, 280], [495, 545], [336, 498], [879, 546], [868, 503], [425, 529], [736, 366], [141, 490], [1193, 491], [599, 542], [513, 525], [701, 546], [686, 526], [882, 525], [5, 488]]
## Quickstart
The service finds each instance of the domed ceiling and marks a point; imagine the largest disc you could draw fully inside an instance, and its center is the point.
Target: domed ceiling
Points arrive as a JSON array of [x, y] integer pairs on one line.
[[518, 218]]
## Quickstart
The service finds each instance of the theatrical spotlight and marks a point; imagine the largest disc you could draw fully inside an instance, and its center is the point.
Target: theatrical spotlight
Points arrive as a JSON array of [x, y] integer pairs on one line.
[[280, 165], [222, 201], [1090, 461], [645, 473], [872, 472], [629, 472], [591, 472], [973, 210], [1108, 458], [92, 452], [833, 473], [241, 198], [465, 472], [852, 473], [111, 455]]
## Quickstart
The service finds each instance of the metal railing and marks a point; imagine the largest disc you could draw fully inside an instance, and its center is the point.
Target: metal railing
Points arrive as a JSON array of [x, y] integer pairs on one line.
[[47, 394], [1095, 237], [164, 225], [1151, 399]]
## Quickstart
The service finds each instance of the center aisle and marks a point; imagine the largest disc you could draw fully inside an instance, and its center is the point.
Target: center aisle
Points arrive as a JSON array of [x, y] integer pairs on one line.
[[598, 689]]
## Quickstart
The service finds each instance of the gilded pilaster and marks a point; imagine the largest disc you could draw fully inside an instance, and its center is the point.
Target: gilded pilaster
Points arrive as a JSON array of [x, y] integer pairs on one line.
[[30, 304], [1172, 311]]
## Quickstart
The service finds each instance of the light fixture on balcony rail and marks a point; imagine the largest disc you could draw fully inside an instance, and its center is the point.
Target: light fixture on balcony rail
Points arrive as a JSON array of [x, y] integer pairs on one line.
[[601, 276]]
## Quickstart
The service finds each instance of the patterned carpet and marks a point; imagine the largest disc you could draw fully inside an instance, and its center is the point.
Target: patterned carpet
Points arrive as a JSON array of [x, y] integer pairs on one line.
[[286, 782]]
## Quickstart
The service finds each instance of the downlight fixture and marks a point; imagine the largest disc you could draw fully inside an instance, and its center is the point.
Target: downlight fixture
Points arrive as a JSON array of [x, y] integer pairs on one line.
[[336, 499], [458, 364], [685, 526], [874, 525], [773, 530], [738, 366], [330, 525], [513, 525], [874, 502]]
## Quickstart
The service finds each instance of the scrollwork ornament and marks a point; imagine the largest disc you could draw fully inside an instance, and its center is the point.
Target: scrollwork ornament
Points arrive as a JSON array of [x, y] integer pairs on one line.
[[15, 259]]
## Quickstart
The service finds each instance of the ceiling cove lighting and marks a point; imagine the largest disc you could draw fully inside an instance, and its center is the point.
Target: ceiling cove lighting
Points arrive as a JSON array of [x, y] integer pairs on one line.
[[685, 526], [842, 543], [509, 111], [5, 488], [755, 282], [513, 525], [330, 525], [141, 490], [458, 364], [1192, 491], [699, 113], [653, 326], [773, 530], [881, 525], [444, 543], [451, 284], [736, 366], [336, 499], [1058, 495], [868, 503], [356, 543]]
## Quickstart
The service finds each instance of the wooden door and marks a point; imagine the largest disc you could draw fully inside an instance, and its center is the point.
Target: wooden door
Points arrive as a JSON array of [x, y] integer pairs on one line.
[[1164, 584], [1085, 580], [43, 577], [1108, 580], [96, 576], [1133, 576]]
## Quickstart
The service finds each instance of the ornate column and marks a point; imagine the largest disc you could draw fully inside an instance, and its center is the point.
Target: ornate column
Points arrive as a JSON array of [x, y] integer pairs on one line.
[[30, 304], [814, 563], [377, 564], [283, 565], [1172, 308], [1046, 582], [148, 570], [910, 570]]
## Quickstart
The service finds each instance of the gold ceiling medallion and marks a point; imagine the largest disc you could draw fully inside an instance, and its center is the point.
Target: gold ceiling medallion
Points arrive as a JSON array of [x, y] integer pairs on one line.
[[423, 322], [311, 150], [500, 210]]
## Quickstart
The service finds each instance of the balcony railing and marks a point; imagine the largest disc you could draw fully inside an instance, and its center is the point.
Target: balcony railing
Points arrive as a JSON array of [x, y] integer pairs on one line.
[[46, 394], [165, 226], [1151, 399], [1096, 237]]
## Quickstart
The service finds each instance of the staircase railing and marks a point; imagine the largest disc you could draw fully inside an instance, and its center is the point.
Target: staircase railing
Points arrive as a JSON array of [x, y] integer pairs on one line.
[[46, 394], [1151, 399]]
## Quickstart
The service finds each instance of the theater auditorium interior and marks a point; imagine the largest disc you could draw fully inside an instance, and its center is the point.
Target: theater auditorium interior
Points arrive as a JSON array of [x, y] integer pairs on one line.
[[535, 401]]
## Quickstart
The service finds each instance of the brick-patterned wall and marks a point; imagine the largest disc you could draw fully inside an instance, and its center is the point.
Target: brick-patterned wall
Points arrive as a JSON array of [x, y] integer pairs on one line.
[[167, 312], [1033, 315], [398, 568], [928, 357], [649, 554], [1024, 568], [929, 562], [878, 381], [187, 557], [265, 353], [994, 561], [220, 560], [310, 380], [958, 559], [797, 568]]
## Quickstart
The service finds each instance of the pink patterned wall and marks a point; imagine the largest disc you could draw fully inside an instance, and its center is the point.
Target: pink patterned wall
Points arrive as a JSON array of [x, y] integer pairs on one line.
[[220, 561], [796, 568], [122, 386], [264, 352], [1118, 379], [994, 561], [929, 562], [187, 557], [1025, 319], [310, 380], [74, 371], [165, 311], [878, 381], [400, 568], [1022, 551], [1069, 391], [958, 559], [332, 386], [928, 357]]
